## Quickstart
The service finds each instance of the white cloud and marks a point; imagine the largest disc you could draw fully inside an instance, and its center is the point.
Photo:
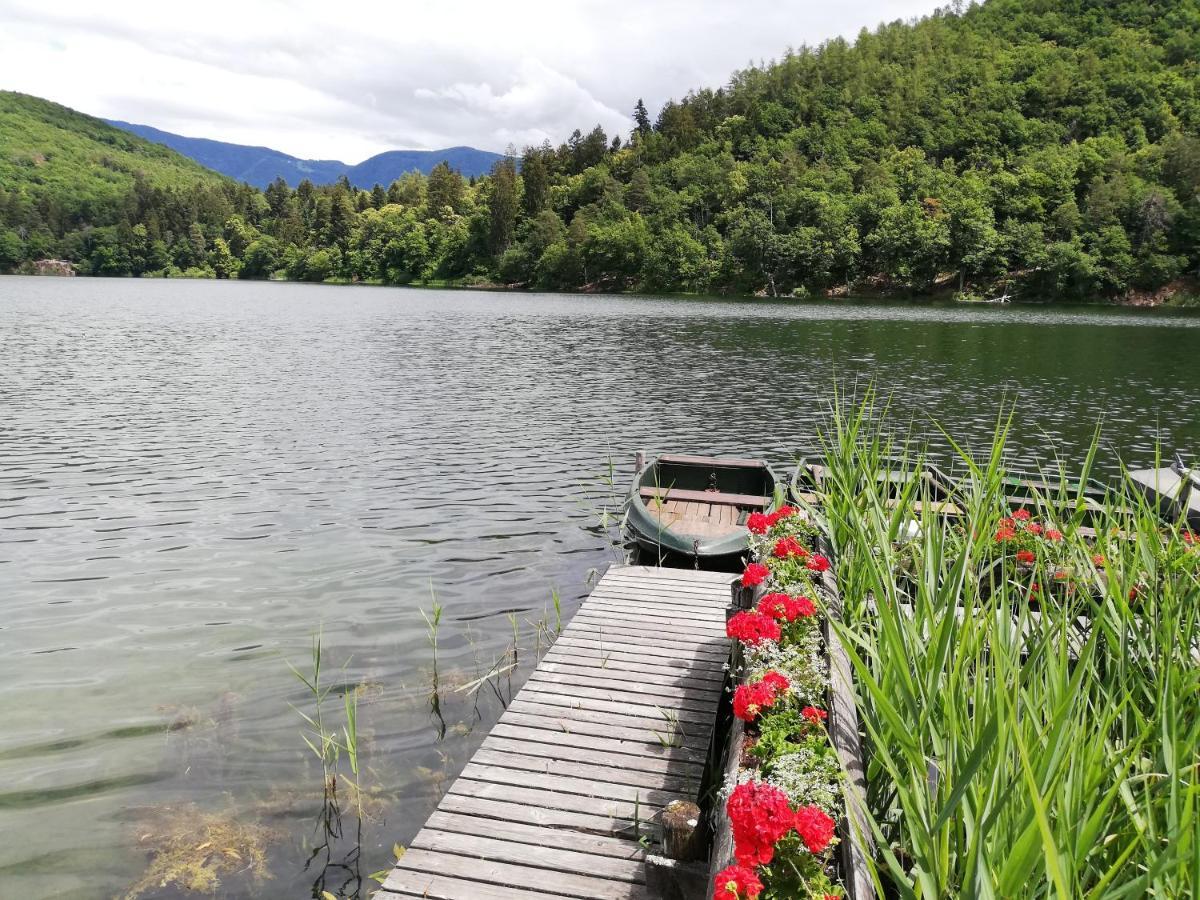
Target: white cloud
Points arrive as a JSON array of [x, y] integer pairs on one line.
[[350, 79]]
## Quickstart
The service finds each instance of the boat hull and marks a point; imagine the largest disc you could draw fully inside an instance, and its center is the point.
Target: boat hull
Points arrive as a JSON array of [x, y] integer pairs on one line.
[[691, 510]]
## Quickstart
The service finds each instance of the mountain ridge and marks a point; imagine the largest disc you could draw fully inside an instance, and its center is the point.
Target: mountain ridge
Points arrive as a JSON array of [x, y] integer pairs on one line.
[[260, 165]]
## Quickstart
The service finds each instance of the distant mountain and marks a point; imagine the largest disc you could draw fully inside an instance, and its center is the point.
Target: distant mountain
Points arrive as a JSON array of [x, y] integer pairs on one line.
[[260, 166]]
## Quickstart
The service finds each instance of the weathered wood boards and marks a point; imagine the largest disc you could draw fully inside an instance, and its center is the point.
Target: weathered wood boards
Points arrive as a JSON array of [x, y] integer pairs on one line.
[[613, 724]]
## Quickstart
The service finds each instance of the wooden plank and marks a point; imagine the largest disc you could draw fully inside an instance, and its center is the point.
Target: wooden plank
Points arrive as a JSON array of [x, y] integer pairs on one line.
[[572, 717], [603, 655], [524, 814], [557, 719], [697, 593], [637, 636], [585, 666], [428, 862], [619, 605], [570, 839], [600, 700], [555, 799], [604, 742], [715, 462], [406, 883], [575, 654], [675, 628], [629, 763], [703, 698], [563, 789], [563, 859], [659, 606], [656, 494], [612, 642], [562, 706], [653, 574], [594, 771]]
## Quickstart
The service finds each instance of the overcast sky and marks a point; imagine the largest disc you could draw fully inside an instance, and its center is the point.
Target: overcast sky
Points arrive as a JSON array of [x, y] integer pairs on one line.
[[348, 79]]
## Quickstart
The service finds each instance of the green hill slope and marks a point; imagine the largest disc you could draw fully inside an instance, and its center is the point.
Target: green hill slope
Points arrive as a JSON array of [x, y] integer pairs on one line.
[[79, 163], [1047, 148], [62, 172]]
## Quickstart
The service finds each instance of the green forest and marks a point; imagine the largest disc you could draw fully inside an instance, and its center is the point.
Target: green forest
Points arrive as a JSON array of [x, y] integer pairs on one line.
[[1047, 148]]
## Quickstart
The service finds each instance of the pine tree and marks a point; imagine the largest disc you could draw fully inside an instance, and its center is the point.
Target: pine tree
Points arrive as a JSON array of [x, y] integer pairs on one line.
[[641, 117]]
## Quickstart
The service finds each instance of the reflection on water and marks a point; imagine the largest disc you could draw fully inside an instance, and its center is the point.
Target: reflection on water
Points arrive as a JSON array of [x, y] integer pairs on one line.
[[195, 477]]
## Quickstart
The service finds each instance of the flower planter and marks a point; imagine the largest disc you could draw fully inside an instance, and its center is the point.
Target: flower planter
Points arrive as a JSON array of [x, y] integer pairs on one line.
[[854, 845]]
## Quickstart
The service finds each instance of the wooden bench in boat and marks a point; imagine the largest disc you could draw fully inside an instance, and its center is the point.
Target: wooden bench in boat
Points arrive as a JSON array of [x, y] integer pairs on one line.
[[712, 462], [716, 498], [702, 514]]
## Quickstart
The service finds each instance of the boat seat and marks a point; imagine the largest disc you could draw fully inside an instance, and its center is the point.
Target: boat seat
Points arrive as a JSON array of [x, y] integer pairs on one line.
[[716, 497]]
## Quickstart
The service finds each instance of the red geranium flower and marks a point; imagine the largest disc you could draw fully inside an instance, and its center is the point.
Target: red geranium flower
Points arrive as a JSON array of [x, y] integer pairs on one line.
[[1053, 534], [1061, 575], [760, 816], [758, 522], [788, 547], [814, 827], [1008, 522], [1022, 514], [749, 699], [1190, 538], [1025, 556], [805, 607], [776, 681], [755, 574], [784, 512], [1034, 528], [1098, 561], [783, 608], [818, 563], [737, 883], [1005, 533], [752, 628], [814, 715]]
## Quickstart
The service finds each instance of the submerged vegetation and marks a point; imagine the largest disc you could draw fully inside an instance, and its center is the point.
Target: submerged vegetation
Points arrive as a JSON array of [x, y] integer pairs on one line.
[[1046, 149], [192, 850], [1021, 741]]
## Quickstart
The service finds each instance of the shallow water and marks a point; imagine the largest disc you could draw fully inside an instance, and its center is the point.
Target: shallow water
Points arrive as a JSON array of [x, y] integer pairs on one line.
[[195, 477]]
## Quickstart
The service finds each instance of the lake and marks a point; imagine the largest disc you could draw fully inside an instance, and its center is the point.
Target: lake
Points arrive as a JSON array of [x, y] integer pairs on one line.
[[198, 477]]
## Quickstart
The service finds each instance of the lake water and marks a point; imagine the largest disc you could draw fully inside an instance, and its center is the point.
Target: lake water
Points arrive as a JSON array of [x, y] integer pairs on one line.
[[197, 477]]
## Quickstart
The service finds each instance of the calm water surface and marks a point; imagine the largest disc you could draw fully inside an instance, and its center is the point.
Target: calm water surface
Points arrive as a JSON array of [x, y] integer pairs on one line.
[[196, 477]]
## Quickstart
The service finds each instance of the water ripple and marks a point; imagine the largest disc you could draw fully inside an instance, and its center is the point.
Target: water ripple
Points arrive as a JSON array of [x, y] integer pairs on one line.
[[195, 477]]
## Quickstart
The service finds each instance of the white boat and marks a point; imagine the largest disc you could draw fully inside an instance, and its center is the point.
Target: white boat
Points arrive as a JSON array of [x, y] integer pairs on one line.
[[1176, 488]]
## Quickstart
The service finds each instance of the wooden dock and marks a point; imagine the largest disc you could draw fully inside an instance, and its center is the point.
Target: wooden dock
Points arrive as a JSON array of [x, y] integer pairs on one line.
[[614, 723]]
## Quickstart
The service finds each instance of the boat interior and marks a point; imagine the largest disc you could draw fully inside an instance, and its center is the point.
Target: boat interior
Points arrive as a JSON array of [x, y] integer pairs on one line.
[[705, 498]]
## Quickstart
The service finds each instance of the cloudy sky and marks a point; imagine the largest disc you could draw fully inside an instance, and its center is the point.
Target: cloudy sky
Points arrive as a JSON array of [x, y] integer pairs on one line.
[[344, 80]]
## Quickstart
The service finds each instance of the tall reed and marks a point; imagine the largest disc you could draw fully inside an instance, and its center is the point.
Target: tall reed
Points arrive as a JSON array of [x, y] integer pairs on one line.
[[1016, 751]]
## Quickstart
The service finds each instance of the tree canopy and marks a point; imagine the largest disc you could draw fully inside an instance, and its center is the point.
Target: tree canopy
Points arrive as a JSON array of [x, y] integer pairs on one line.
[[1051, 145]]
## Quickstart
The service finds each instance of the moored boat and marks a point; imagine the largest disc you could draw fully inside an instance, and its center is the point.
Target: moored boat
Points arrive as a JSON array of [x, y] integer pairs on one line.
[[692, 510], [934, 489], [1175, 488]]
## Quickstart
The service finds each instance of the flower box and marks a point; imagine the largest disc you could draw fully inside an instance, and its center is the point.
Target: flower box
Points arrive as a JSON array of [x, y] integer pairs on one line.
[[837, 721]]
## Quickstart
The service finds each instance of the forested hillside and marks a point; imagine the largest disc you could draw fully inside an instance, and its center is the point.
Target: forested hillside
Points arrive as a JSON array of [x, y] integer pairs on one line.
[[1050, 145]]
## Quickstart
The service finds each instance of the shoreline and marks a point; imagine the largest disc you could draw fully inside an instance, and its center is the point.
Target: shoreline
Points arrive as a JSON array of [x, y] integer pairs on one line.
[[1182, 294]]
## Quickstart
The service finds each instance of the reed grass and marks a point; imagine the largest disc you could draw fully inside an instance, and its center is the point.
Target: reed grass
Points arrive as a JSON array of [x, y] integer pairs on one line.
[[1015, 752]]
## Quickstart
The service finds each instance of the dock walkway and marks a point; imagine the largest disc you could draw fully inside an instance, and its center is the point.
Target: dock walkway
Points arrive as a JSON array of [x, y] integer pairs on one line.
[[613, 724]]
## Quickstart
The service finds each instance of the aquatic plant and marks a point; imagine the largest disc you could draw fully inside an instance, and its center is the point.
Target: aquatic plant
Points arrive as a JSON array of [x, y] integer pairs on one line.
[[1016, 751], [194, 851]]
